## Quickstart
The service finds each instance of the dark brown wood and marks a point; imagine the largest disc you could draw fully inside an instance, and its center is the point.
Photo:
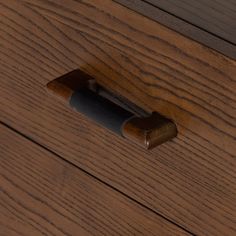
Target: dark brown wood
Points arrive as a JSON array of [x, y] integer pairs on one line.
[[150, 131], [211, 23], [42, 195], [64, 86], [190, 180], [214, 16]]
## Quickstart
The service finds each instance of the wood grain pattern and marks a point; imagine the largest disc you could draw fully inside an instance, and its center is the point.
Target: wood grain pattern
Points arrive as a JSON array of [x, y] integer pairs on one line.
[[42, 195], [211, 23], [190, 180], [203, 94], [215, 16]]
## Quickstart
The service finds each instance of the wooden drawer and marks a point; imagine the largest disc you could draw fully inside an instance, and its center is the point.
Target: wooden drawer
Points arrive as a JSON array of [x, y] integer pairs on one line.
[[54, 197], [190, 180]]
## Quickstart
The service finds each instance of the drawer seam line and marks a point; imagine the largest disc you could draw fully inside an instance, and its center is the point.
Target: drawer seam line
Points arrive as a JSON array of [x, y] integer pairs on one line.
[[93, 176]]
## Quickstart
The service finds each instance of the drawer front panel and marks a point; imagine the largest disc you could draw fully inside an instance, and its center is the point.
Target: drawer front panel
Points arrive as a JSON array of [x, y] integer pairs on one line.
[[190, 180], [46, 196], [156, 68]]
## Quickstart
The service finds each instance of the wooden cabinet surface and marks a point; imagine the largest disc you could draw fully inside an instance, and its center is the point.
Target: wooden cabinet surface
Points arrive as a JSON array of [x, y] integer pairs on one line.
[[186, 186]]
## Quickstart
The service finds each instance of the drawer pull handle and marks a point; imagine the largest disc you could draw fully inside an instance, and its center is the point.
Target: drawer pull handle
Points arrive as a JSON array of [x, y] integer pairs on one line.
[[87, 97]]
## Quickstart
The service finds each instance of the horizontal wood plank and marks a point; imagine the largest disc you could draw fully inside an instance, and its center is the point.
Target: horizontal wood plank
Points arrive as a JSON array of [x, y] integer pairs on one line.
[[190, 180], [211, 23], [216, 17], [43, 195]]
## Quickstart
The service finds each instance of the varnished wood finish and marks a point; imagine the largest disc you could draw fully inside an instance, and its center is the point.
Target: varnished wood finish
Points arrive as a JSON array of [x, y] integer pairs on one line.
[[192, 179], [150, 131], [64, 86], [215, 16], [42, 195], [211, 23]]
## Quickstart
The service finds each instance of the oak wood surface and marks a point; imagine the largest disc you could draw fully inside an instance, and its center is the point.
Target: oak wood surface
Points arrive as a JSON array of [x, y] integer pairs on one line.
[[190, 180], [215, 16], [212, 23], [42, 195]]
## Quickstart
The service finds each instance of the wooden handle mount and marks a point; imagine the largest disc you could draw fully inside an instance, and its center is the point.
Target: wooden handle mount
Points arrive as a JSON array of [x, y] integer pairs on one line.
[[83, 94]]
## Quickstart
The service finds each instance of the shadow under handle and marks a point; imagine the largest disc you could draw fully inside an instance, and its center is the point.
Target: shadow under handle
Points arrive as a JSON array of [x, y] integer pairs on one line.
[[81, 93]]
